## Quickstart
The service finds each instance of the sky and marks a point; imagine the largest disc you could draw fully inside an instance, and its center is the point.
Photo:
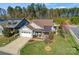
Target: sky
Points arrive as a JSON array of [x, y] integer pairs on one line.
[[49, 5]]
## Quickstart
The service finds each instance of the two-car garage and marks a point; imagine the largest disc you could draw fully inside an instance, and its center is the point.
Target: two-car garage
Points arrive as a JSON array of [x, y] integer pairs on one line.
[[25, 32]]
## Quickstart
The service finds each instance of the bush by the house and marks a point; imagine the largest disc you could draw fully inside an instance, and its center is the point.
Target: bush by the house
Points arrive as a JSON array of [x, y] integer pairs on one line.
[[9, 32]]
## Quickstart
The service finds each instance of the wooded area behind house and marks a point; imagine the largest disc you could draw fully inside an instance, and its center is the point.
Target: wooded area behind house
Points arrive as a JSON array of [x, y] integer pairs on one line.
[[40, 11]]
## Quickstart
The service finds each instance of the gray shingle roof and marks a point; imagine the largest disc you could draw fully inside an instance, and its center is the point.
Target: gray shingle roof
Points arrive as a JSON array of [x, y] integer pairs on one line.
[[15, 23], [1, 21]]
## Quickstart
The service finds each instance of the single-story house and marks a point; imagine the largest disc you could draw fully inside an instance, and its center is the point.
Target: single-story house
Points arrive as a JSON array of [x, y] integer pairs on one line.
[[37, 28], [34, 28]]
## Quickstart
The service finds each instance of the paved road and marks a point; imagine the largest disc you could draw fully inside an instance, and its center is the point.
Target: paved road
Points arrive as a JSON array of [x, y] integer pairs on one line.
[[15, 46], [75, 31]]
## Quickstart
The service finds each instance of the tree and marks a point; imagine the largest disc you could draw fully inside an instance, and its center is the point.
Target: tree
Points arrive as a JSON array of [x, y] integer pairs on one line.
[[60, 20], [24, 12], [8, 32], [31, 11], [44, 11], [11, 12], [75, 20], [51, 36], [18, 11], [64, 29], [39, 11]]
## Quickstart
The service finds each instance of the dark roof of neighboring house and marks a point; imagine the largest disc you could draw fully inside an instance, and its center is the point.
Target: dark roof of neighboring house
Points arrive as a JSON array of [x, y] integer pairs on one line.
[[43, 22], [1, 21], [16, 22]]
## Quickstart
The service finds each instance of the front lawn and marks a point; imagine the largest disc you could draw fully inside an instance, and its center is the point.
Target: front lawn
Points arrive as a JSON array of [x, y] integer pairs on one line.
[[58, 47], [5, 40]]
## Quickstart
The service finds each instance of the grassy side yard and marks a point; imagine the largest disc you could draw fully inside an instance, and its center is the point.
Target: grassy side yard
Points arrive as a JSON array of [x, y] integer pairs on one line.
[[6, 40], [58, 47]]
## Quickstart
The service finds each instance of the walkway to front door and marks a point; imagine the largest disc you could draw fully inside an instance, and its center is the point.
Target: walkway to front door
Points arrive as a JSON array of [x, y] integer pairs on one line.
[[15, 46]]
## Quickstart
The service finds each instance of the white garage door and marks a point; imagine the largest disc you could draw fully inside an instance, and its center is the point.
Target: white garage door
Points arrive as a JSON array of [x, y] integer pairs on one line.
[[26, 34]]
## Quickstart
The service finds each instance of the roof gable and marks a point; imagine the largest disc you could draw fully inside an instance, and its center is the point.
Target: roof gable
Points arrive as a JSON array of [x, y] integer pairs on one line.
[[36, 26]]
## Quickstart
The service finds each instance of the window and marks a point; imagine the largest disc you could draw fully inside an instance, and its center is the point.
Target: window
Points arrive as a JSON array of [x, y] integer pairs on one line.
[[25, 32]]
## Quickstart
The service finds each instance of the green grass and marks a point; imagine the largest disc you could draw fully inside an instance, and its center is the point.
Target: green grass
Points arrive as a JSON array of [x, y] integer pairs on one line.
[[6, 40], [59, 47]]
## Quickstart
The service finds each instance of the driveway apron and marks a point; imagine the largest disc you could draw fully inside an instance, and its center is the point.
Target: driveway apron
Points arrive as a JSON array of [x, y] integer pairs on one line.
[[15, 46]]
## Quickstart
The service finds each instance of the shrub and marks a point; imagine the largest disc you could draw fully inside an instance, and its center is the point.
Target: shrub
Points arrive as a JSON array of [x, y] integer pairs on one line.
[[9, 32]]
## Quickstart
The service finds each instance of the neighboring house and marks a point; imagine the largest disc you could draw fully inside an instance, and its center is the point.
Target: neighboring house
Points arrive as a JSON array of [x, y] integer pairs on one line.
[[15, 24], [1, 28]]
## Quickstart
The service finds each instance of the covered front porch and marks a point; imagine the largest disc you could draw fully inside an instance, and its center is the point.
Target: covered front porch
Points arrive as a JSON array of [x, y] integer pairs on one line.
[[40, 34]]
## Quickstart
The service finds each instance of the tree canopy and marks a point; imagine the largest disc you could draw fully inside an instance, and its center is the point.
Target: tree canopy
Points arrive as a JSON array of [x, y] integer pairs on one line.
[[40, 11]]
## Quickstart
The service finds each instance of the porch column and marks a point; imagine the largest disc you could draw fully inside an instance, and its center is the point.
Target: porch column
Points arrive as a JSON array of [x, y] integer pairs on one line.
[[42, 35]]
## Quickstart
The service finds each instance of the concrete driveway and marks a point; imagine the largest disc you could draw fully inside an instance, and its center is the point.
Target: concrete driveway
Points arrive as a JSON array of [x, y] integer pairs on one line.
[[15, 46]]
